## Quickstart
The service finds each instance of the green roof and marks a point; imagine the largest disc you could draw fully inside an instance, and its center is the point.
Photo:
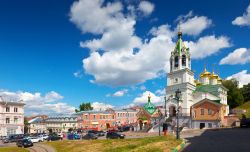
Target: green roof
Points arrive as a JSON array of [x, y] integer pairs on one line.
[[212, 89], [149, 107], [180, 44]]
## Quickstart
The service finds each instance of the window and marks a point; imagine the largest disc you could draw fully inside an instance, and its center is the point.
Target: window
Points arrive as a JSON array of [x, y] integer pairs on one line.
[[15, 109], [209, 112], [94, 116], [176, 80], [202, 111], [15, 120], [176, 60], [209, 125], [7, 109], [183, 60], [86, 116], [7, 120]]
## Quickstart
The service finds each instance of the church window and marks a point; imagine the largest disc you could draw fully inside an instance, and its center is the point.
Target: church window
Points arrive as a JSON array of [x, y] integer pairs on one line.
[[183, 60], [176, 80], [176, 60]]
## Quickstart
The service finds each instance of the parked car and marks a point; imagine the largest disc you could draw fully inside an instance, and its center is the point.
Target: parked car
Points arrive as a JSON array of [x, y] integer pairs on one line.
[[33, 139], [73, 136], [124, 128], [245, 122], [24, 143], [89, 136], [101, 133], [43, 136], [115, 135], [54, 137], [13, 138]]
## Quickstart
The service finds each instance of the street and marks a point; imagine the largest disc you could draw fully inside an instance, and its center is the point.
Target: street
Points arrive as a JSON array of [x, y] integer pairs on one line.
[[220, 140]]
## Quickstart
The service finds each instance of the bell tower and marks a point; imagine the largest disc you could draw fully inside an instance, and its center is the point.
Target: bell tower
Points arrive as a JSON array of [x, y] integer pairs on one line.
[[181, 76]]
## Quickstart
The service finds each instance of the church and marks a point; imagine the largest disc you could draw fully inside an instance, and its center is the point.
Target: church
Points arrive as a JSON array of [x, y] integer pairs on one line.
[[203, 101]]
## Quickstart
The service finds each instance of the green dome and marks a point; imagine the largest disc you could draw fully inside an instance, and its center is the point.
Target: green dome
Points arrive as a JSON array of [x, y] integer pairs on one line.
[[149, 107]]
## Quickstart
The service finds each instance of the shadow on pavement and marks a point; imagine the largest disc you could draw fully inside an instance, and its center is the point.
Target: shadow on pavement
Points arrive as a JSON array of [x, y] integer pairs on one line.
[[220, 140]]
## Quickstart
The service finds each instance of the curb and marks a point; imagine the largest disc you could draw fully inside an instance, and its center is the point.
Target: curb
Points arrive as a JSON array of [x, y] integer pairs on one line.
[[179, 147]]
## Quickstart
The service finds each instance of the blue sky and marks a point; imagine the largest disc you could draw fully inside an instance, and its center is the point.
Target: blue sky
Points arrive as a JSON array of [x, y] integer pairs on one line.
[[56, 55]]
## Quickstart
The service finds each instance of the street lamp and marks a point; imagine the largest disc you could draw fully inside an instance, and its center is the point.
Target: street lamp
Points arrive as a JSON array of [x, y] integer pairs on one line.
[[160, 115], [178, 99]]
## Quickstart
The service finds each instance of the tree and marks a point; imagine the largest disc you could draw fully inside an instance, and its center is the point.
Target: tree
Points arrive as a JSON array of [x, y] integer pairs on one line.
[[246, 92], [234, 94], [84, 107], [26, 125]]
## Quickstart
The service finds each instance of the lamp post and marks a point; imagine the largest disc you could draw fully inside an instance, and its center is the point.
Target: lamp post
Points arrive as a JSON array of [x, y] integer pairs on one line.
[[159, 112], [177, 97]]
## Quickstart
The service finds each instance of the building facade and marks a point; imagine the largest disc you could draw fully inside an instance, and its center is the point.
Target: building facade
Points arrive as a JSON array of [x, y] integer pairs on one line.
[[61, 123], [37, 125], [11, 118], [97, 120], [125, 117], [181, 77]]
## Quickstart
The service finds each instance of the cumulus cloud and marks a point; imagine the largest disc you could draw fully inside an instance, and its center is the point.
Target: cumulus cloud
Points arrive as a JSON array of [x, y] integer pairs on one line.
[[207, 46], [238, 56], [193, 25], [118, 57], [146, 7], [243, 77], [143, 98], [101, 106], [120, 93], [243, 20], [160, 92], [38, 104]]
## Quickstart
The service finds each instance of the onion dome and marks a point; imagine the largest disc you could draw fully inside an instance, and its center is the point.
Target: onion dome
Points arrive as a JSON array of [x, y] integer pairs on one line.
[[205, 73], [214, 76]]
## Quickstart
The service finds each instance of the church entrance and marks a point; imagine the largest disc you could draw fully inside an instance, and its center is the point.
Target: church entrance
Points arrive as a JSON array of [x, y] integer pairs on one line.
[[172, 111]]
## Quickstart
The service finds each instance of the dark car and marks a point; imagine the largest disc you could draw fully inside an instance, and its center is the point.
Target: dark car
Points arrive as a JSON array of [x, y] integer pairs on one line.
[[124, 128], [89, 136], [24, 143], [54, 137], [13, 138], [101, 133], [115, 135], [73, 136], [245, 122]]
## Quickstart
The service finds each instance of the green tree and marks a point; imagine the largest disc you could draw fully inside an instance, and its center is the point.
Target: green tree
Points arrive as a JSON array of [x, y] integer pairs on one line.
[[84, 107], [234, 94], [26, 125], [246, 92]]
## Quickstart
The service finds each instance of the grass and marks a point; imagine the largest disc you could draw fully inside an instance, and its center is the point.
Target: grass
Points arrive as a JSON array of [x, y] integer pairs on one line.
[[245, 106], [147, 144], [12, 149]]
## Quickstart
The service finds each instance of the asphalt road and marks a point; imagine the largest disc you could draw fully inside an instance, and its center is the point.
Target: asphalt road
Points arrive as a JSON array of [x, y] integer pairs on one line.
[[221, 140]]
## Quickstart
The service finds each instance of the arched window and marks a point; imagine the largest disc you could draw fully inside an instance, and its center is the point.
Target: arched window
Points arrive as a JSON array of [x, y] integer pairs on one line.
[[176, 60], [183, 60]]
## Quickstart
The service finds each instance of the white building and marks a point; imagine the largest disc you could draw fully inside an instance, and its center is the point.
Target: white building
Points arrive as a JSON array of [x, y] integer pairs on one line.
[[11, 118], [182, 77], [37, 125], [61, 123]]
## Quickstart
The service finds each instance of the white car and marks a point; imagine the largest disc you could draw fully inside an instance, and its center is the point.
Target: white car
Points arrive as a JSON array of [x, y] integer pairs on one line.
[[44, 137], [34, 139]]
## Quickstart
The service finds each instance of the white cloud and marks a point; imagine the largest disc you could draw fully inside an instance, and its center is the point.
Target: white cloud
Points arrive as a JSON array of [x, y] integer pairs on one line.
[[160, 92], [207, 46], [243, 20], [146, 7], [101, 106], [120, 93], [36, 103], [238, 56], [126, 59], [144, 98], [78, 74], [243, 77], [193, 25], [143, 88]]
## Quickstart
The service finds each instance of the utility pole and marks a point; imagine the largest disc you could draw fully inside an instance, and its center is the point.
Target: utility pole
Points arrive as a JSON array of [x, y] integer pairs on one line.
[[177, 97]]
